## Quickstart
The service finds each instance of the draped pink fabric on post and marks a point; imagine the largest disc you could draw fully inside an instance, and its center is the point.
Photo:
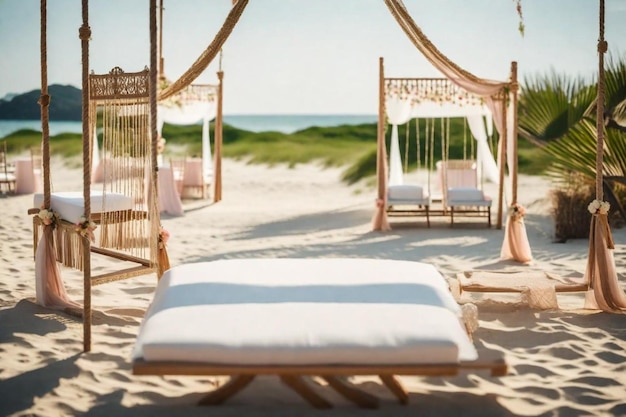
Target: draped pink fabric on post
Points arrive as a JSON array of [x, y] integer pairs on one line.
[[605, 292], [515, 245], [48, 282]]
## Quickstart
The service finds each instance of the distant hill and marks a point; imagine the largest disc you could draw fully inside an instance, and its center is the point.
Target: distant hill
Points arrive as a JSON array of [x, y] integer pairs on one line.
[[65, 104]]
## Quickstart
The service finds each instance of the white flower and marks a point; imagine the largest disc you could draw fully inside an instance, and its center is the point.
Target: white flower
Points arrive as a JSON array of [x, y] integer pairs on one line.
[[86, 228], [47, 217], [599, 207]]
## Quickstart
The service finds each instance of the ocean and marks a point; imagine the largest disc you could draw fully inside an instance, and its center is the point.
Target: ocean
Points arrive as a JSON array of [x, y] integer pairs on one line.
[[256, 123]]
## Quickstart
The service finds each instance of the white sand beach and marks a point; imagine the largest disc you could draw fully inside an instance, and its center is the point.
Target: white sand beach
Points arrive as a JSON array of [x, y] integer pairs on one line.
[[565, 362]]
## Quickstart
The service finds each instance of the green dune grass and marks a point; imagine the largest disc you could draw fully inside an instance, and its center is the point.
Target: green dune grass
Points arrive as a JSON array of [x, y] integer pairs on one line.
[[349, 146]]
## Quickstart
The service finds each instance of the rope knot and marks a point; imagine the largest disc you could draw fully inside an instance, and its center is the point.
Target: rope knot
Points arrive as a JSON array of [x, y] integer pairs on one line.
[[603, 46], [44, 100], [84, 33]]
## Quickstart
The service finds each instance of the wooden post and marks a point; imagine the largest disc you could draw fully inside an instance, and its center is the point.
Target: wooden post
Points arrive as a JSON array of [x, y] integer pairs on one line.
[[85, 35], [160, 44], [514, 92], [217, 166]]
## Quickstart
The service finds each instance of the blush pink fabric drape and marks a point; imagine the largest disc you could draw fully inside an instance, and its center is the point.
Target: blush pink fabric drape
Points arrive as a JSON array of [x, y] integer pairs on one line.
[[515, 245], [49, 286], [605, 292]]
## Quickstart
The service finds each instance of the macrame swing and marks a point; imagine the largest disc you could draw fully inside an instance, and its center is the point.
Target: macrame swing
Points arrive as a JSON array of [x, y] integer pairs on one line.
[[125, 219], [122, 217]]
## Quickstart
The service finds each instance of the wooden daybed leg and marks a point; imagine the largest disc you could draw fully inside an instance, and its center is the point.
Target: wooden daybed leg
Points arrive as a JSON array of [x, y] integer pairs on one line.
[[489, 217], [395, 387], [296, 383], [428, 216], [232, 387], [350, 392]]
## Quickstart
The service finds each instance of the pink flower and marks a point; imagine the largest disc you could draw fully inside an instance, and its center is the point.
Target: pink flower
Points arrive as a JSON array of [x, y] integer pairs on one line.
[[164, 236]]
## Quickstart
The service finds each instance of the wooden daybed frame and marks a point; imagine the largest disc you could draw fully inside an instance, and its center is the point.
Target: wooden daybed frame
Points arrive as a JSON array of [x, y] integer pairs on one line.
[[249, 317], [292, 376]]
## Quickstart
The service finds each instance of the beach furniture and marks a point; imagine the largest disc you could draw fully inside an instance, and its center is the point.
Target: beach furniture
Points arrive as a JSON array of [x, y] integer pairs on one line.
[[462, 194], [294, 318], [7, 171], [408, 200], [196, 181]]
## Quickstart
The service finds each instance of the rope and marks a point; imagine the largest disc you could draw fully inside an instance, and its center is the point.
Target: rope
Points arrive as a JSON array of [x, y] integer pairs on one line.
[[430, 51], [209, 53], [406, 147], [418, 146], [162, 262], [44, 102], [602, 48]]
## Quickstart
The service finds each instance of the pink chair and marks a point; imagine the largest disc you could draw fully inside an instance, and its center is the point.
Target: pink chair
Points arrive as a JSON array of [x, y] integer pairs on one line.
[[7, 171], [195, 184]]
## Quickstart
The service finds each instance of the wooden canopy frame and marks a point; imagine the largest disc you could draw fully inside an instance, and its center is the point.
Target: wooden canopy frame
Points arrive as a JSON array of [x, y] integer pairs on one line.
[[199, 90], [444, 90]]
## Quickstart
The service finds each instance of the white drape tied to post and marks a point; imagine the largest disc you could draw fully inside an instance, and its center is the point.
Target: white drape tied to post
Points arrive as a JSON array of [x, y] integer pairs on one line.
[[398, 113], [486, 161], [191, 113]]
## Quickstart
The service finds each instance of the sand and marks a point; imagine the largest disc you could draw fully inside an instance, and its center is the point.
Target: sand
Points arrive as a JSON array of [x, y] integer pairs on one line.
[[565, 362]]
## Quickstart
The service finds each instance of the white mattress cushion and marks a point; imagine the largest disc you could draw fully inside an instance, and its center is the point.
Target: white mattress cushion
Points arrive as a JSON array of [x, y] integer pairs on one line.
[[70, 204], [303, 312]]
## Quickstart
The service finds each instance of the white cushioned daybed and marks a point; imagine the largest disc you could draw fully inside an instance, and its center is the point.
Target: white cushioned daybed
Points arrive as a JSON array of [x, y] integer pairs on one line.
[[293, 317]]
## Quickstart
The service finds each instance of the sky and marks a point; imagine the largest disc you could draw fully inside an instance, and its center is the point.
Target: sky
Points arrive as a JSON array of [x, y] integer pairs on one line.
[[309, 56]]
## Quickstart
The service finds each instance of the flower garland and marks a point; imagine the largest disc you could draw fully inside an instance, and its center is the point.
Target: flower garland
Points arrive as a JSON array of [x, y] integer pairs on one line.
[[86, 228], [517, 212], [164, 236], [599, 207], [48, 217], [518, 7]]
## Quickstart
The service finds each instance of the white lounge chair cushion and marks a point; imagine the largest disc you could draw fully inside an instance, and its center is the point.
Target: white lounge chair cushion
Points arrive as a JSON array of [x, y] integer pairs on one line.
[[71, 206], [304, 312], [459, 196], [406, 192], [407, 195]]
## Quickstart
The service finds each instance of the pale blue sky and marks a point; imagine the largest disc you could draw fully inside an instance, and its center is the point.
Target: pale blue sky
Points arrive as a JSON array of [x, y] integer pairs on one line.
[[308, 56]]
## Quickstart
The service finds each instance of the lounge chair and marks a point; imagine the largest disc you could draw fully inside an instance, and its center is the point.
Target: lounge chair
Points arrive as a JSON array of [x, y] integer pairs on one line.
[[7, 171], [462, 194], [408, 200]]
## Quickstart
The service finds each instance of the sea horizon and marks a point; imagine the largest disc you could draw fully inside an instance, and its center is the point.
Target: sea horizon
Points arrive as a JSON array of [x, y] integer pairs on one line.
[[283, 123]]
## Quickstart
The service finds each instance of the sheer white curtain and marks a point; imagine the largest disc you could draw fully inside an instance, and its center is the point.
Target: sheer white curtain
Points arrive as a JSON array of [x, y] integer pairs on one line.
[[398, 112], [486, 161], [191, 113]]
